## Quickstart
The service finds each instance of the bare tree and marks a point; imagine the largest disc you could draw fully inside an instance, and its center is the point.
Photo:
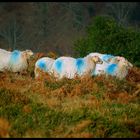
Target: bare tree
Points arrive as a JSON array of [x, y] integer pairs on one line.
[[41, 17], [78, 13], [11, 32], [120, 11]]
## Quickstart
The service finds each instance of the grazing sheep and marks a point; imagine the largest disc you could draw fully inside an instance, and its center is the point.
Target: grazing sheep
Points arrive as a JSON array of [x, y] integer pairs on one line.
[[43, 64], [69, 67], [15, 61]]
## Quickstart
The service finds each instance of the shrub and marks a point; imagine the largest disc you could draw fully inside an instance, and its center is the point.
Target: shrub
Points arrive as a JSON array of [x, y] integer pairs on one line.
[[104, 35]]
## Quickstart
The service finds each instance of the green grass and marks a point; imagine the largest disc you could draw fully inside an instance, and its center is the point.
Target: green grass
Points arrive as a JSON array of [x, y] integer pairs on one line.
[[96, 107]]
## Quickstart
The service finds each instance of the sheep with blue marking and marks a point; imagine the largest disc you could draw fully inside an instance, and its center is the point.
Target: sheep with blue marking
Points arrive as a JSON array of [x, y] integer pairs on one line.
[[100, 68], [112, 65], [15, 61], [118, 67], [43, 64], [70, 67]]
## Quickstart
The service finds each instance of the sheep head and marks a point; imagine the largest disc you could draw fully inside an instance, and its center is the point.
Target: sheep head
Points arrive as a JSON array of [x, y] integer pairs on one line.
[[121, 60], [27, 54], [96, 59], [125, 62]]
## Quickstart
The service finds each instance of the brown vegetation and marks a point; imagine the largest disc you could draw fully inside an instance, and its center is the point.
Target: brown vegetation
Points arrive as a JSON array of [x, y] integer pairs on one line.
[[70, 97]]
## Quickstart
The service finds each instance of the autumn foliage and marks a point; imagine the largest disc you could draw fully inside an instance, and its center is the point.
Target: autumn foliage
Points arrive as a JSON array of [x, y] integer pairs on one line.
[[83, 107]]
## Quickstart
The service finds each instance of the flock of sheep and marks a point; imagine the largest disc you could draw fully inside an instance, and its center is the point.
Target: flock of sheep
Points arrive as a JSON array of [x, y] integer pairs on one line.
[[93, 64]]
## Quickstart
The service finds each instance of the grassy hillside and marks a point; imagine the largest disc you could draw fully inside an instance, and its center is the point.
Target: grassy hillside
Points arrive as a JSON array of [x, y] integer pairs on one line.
[[88, 107]]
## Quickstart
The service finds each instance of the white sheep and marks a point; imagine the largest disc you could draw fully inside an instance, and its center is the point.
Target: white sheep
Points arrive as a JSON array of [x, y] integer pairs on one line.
[[15, 61], [43, 64], [70, 67], [118, 67], [112, 65], [4, 59], [100, 68]]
